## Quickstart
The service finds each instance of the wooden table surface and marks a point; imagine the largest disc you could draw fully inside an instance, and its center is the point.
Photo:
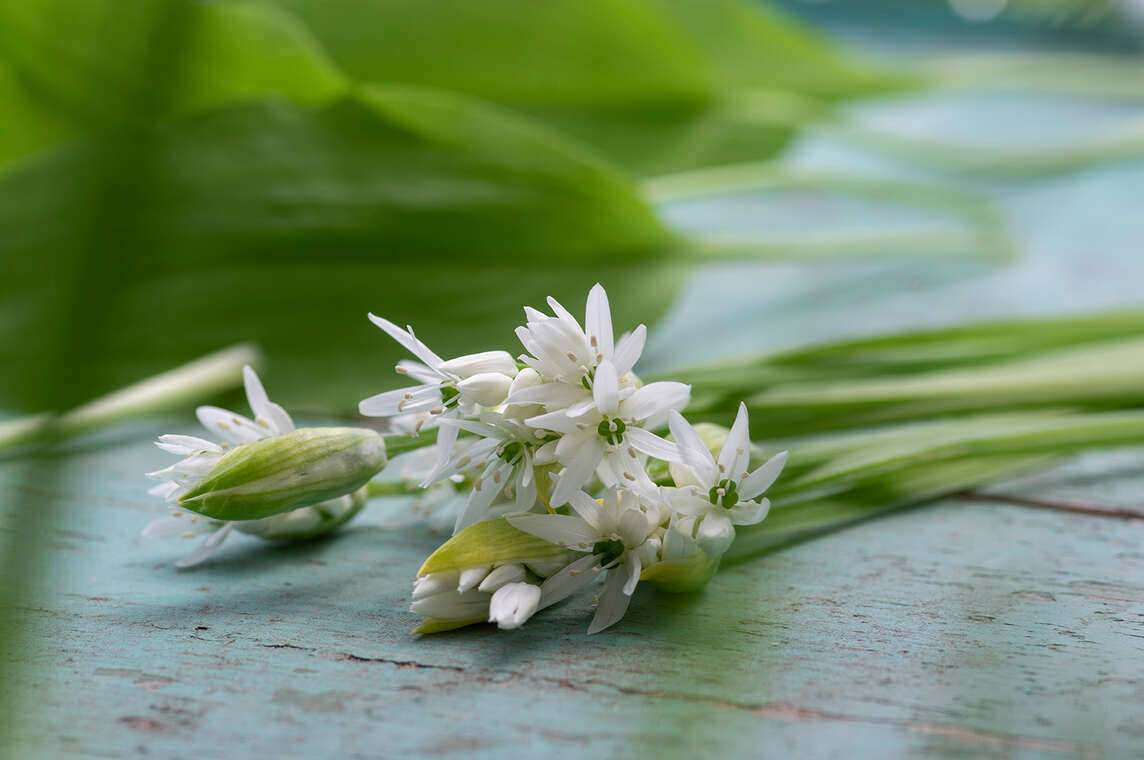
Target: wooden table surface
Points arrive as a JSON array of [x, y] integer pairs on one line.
[[963, 629]]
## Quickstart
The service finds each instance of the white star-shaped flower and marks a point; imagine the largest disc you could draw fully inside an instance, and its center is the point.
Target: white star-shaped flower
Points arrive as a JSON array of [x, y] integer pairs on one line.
[[721, 489], [612, 429], [562, 352], [617, 535]]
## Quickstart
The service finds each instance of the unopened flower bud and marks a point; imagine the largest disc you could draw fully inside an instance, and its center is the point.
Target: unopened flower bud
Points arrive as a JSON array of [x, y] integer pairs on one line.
[[485, 388], [499, 362], [513, 604], [298, 469]]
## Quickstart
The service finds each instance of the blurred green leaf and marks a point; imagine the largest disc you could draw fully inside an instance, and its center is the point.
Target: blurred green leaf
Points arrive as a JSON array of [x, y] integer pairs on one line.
[[93, 62], [656, 85], [284, 225]]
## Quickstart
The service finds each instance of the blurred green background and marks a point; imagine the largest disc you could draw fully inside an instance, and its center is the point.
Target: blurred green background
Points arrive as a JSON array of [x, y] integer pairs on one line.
[[176, 176]]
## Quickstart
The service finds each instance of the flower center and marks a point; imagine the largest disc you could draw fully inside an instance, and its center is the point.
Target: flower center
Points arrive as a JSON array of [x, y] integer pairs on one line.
[[511, 452], [612, 430], [725, 492], [611, 550], [449, 394]]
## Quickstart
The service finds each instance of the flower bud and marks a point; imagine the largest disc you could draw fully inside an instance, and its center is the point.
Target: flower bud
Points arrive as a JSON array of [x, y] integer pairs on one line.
[[690, 553], [499, 362], [513, 604], [298, 469], [485, 388], [307, 522]]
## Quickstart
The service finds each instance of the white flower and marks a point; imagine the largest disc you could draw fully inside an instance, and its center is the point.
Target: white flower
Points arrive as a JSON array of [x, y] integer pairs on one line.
[[563, 351], [270, 422], [295, 524], [721, 489], [612, 428], [450, 388], [506, 454], [202, 455], [615, 534], [513, 604], [446, 389]]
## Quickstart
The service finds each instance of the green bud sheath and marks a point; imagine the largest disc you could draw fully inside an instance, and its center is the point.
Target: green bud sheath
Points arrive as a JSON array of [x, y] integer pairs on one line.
[[688, 575], [298, 469], [490, 542]]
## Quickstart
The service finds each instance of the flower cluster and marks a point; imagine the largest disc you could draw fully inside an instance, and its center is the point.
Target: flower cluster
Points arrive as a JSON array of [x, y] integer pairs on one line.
[[297, 483], [556, 468], [561, 448]]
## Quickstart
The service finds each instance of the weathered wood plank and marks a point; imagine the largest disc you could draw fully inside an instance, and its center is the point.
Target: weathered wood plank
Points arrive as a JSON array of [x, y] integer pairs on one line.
[[964, 629]]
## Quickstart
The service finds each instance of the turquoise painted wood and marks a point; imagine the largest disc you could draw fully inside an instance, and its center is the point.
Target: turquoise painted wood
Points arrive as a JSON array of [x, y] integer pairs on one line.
[[965, 629]]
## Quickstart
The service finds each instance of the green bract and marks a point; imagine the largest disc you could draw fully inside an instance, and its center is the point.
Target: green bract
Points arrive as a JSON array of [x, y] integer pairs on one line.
[[298, 469], [490, 542]]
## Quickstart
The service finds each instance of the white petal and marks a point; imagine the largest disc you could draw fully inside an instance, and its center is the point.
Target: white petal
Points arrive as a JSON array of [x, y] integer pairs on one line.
[[655, 399], [264, 409], [761, 479], [633, 566], [185, 445], [207, 548], [652, 445], [485, 388], [606, 388], [480, 498], [715, 534], [408, 341], [230, 426], [568, 581], [471, 577], [693, 450], [452, 605], [553, 396], [634, 527], [578, 471], [401, 401], [736, 451], [749, 512], [175, 525], [513, 604], [688, 500], [418, 372], [563, 314], [613, 602], [446, 443], [499, 362], [588, 509], [168, 491], [435, 583], [598, 321], [556, 421], [562, 530], [628, 350], [508, 573]]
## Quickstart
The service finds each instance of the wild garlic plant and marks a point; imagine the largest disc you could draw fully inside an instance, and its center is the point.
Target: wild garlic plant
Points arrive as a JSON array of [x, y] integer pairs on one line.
[[558, 459], [554, 463]]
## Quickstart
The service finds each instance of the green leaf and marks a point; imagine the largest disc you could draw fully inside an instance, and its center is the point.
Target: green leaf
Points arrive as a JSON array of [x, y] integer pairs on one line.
[[1093, 361], [655, 85], [95, 60], [487, 543], [285, 225]]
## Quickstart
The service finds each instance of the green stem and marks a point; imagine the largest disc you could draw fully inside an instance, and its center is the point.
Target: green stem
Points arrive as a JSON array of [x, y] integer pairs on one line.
[[380, 488], [208, 376]]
